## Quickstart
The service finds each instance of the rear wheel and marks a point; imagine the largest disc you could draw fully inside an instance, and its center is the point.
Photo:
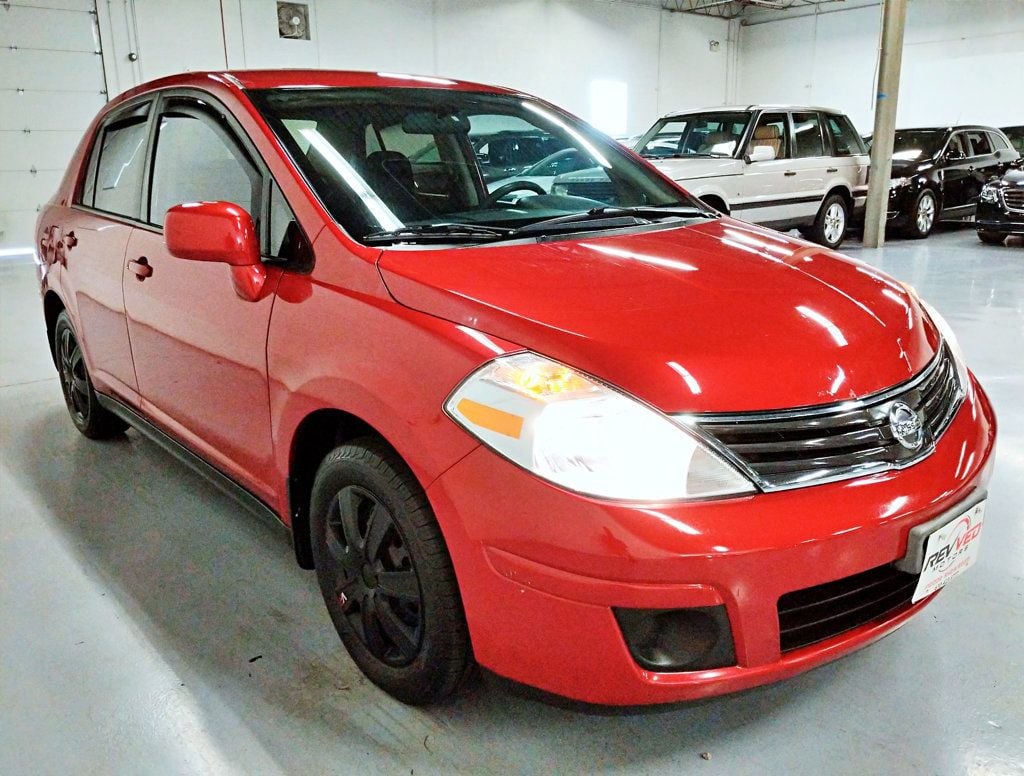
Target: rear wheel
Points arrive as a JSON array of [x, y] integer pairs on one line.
[[922, 217], [829, 227], [86, 413], [385, 574], [991, 238]]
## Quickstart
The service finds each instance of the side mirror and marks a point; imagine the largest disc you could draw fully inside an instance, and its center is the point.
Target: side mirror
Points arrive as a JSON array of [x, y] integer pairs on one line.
[[212, 231], [952, 155], [761, 153], [221, 232]]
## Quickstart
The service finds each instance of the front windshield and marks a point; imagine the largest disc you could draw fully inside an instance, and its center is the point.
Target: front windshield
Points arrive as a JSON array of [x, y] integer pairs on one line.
[[911, 145], [716, 133], [387, 159]]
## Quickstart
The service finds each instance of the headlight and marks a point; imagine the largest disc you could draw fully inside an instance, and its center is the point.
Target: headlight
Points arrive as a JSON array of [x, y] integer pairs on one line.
[[898, 183], [584, 436], [989, 193]]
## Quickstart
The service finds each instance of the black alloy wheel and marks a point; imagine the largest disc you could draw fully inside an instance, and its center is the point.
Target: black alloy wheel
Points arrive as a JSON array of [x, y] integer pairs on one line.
[[86, 412], [385, 573]]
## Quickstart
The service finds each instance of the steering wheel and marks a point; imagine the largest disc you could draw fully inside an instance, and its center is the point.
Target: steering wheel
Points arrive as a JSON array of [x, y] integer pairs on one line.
[[508, 188]]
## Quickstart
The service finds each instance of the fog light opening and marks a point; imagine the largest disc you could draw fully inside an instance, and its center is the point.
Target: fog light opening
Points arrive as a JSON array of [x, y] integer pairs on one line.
[[678, 639]]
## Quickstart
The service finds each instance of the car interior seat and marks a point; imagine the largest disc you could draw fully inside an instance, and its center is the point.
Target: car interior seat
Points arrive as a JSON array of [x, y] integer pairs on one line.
[[768, 135]]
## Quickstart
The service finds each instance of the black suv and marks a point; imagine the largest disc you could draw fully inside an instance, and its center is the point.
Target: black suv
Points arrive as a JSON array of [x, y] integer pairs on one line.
[[938, 174]]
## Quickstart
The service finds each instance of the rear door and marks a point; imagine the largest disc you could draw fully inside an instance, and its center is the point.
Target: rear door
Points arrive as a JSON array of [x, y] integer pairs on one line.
[[849, 161], [957, 183], [983, 163], [199, 347], [104, 212], [811, 161]]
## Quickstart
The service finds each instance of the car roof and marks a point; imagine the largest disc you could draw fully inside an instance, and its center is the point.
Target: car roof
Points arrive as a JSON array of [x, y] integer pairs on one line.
[[954, 128], [313, 79], [753, 107]]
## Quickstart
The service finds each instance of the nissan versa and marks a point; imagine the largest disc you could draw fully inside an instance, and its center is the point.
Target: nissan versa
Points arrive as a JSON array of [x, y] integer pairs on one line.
[[626, 450]]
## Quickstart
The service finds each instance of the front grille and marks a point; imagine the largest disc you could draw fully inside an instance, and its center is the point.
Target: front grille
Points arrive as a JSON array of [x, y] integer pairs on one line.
[[794, 448], [1014, 198], [817, 613]]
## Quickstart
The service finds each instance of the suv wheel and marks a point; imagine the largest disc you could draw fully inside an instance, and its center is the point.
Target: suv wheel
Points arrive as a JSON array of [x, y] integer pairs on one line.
[[922, 216], [829, 227], [86, 413], [385, 574], [991, 238]]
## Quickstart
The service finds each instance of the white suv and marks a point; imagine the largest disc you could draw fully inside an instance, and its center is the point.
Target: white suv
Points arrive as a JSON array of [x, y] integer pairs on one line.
[[783, 166]]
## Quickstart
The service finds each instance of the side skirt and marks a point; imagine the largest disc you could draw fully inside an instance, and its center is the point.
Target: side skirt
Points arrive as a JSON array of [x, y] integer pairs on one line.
[[222, 481]]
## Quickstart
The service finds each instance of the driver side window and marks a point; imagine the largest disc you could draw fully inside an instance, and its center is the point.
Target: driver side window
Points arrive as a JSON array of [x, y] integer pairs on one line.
[[772, 132]]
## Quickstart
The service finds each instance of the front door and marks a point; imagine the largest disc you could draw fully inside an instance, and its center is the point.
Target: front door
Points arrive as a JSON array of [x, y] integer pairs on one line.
[[767, 187], [199, 347]]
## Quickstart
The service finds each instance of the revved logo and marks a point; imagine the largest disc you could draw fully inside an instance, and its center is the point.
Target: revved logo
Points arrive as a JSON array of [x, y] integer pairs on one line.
[[963, 533]]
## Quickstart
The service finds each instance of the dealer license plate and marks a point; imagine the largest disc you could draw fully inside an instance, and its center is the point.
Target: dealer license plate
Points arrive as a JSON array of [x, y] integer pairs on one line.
[[950, 550]]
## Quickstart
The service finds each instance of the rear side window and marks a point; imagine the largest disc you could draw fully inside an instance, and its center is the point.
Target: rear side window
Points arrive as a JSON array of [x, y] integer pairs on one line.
[[807, 140], [114, 182], [979, 143], [196, 160], [845, 140], [998, 142]]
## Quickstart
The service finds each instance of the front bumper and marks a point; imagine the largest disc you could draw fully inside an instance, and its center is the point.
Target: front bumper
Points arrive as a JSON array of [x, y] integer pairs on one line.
[[540, 569], [991, 217]]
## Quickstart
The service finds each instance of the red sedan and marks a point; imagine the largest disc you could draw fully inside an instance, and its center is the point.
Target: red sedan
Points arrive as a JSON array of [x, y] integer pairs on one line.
[[613, 445]]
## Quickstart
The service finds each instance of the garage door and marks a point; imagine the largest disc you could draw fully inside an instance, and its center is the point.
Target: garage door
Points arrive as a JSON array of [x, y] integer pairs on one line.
[[51, 86]]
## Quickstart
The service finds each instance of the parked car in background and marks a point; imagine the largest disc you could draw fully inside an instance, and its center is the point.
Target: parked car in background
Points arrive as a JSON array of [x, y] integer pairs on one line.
[[781, 166], [544, 172], [938, 174], [1001, 208], [628, 454], [1016, 137]]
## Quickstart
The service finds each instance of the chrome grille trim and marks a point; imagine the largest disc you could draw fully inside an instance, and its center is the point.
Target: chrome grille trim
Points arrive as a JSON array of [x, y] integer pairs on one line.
[[796, 448], [1014, 199]]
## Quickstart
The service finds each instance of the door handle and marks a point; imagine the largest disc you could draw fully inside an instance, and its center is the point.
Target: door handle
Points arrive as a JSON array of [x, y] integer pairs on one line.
[[832, 169], [789, 173], [141, 268]]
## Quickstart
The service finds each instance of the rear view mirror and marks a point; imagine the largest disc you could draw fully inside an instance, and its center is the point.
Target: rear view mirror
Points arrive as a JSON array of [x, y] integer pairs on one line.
[[212, 231], [761, 153], [428, 123], [220, 232]]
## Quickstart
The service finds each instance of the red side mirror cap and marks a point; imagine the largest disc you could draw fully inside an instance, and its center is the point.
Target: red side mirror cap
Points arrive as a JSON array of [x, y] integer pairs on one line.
[[212, 231]]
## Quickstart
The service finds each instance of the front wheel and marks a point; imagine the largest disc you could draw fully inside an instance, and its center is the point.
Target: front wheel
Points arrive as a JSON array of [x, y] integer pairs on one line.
[[991, 238], [922, 216], [89, 417], [385, 574], [829, 227]]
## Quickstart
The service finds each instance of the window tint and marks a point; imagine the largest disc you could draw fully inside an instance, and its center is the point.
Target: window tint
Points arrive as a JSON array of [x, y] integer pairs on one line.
[[772, 131], [979, 143], [844, 138], [195, 161], [998, 142], [807, 136], [116, 185]]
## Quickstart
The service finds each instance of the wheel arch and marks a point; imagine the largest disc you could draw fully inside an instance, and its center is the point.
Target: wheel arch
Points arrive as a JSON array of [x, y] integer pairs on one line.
[[715, 201], [53, 306], [843, 191], [316, 435]]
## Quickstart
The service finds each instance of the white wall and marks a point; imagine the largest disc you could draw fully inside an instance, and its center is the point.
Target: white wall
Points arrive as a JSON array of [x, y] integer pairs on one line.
[[552, 48], [963, 62]]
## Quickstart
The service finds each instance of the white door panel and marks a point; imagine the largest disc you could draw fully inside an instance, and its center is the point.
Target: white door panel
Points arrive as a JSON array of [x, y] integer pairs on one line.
[[48, 110], [760, 190], [33, 28], [809, 185], [65, 71], [51, 87]]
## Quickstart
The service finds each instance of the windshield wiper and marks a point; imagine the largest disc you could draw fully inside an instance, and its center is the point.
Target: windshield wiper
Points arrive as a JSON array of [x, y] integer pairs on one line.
[[437, 233], [613, 217]]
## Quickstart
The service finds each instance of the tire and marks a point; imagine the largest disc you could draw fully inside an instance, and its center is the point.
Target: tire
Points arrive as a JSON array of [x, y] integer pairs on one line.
[[922, 216], [829, 227], [991, 238], [385, 574], [89, 417]]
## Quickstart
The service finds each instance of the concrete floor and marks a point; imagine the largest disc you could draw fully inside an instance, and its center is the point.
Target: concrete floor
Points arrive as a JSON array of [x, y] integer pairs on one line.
[[135, 600]]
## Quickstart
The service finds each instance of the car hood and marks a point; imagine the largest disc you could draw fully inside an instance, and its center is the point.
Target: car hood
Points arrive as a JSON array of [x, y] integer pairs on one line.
[[700, 167], [1013, 178], [721, 316]]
